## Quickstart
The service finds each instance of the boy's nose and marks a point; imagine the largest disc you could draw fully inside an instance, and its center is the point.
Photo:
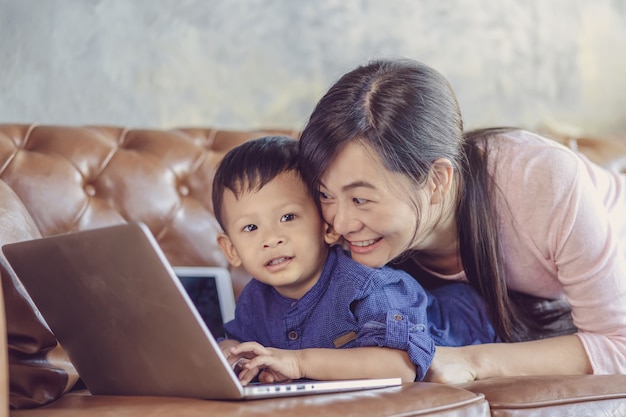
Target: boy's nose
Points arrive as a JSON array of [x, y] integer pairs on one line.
[[273, 242]]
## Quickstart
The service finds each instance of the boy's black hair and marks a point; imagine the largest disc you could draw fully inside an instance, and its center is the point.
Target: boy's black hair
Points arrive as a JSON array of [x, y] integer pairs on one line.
[[251, 165]]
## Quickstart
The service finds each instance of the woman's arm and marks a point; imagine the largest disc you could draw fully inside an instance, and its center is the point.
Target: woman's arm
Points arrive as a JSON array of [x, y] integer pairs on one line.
[[563, 355], [363, 362], [323, 364], [566, 244]]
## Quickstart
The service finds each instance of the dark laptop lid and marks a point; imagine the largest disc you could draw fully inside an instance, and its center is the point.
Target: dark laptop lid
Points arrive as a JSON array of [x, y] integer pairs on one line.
[[117, 308]]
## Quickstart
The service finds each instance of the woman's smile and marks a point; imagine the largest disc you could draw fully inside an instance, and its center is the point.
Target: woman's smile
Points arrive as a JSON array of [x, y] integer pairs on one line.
[[364, 246], [364, 242]]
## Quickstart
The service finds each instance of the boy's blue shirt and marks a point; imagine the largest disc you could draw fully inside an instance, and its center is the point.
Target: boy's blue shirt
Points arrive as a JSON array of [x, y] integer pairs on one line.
[[353, 305]]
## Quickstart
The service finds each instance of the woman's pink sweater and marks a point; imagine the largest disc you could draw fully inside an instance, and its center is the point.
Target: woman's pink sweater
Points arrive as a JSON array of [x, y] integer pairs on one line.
[[563, 234]]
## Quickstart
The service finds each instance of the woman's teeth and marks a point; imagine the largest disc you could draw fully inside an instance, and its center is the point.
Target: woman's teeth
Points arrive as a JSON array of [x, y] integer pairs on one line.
[[364, 243]]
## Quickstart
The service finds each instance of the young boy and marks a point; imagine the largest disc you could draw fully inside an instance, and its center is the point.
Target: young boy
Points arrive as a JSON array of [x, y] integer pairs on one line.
[[308, 300]]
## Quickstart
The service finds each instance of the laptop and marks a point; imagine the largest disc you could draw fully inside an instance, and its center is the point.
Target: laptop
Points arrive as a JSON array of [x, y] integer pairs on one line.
[[127, 323]]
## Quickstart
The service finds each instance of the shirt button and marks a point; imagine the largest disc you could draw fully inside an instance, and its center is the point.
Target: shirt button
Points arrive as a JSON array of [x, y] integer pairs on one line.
[[90, 190], [183, 190], [397, 317], [293, 335]]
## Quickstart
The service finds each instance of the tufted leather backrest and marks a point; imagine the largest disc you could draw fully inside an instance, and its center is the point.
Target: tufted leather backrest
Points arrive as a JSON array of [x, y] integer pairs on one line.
[[75, 178]]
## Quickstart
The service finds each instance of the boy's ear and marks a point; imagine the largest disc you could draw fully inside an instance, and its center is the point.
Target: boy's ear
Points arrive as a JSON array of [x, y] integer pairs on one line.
[[440, 181], [330, 236], [227, 247]]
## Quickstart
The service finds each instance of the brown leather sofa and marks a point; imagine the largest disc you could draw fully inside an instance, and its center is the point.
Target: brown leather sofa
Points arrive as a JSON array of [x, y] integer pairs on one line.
[[58, 179]]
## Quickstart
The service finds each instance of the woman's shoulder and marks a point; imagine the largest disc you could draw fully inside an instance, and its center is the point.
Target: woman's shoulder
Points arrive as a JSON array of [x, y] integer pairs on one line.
[[537, 181], [530, 145], [524, 158]]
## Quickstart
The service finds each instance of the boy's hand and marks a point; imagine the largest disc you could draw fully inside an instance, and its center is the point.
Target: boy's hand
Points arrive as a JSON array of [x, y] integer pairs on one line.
[[274, 365], [233, 360]]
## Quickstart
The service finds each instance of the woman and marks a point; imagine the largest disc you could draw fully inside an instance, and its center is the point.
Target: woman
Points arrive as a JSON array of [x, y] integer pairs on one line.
[[506, 210]]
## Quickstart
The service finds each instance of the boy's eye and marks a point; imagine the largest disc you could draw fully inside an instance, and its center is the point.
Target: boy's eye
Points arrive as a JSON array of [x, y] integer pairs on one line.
[[249, 228], [288, 217], [323, 196], [359, 201]]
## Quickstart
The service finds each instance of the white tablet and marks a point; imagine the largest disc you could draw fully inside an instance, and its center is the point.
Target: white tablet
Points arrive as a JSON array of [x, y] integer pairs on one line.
[[211, 290]]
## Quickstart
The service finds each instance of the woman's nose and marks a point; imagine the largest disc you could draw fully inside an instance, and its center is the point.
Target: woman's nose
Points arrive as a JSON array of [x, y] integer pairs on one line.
[[342, 220]]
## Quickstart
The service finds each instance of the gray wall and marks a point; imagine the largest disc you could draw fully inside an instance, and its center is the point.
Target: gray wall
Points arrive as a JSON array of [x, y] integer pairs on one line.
[[254, 63]]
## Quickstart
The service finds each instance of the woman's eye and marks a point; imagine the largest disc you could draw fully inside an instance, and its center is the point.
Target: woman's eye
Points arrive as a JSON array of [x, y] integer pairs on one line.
[[249, 228], [288, 217], [359, 201], [323, 196]]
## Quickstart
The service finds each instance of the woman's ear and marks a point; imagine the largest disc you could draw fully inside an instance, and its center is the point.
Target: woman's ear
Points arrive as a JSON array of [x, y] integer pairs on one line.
[[440, 179], [330, 236], [227, 247]]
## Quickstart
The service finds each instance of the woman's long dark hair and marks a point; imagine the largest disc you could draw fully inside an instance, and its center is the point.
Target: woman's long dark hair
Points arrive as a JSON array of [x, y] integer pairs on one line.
[[408, 114]]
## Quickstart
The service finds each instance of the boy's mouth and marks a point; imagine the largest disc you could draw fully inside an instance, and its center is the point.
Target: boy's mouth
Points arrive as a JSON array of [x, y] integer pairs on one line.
[[277, 261]]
